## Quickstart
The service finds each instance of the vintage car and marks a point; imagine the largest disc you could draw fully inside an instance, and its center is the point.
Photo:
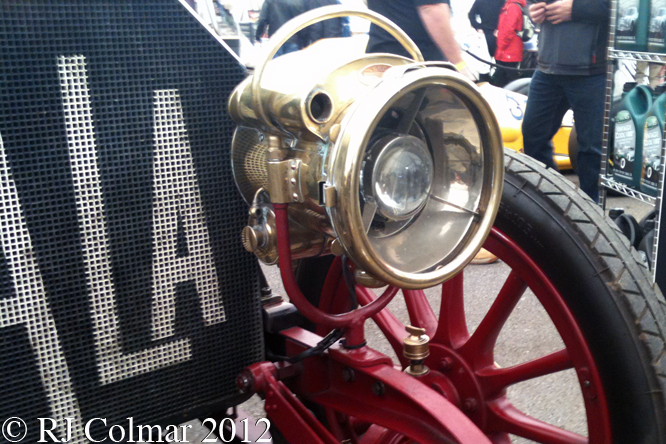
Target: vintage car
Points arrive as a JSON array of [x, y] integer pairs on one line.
[[622, 156], [652, 166]]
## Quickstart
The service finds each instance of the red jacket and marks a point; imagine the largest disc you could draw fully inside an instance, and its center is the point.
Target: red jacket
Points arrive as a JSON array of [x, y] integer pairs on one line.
[[509, 44]]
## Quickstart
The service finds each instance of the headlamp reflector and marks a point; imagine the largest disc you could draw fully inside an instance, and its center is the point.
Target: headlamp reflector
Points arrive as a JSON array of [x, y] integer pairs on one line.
[[401, 170]]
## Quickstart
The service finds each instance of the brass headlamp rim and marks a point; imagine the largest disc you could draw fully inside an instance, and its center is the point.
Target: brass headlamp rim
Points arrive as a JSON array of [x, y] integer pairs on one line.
[[347, 156], [308, 18]]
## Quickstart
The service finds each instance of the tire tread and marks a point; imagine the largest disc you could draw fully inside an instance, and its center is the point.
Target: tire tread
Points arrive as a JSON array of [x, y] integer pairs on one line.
[[643, 301]]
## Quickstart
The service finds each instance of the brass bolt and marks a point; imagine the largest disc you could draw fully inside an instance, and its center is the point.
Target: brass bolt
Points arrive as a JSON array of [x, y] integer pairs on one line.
[[336, 248]]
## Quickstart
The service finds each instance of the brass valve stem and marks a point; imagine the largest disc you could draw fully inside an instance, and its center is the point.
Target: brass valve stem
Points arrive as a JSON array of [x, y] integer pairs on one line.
[[416, 348]]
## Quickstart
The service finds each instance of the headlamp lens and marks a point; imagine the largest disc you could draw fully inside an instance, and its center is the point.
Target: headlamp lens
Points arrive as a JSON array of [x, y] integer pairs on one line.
[[401, 176]]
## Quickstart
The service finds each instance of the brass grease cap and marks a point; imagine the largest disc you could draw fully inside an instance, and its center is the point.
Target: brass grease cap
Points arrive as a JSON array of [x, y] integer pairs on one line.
[[416, 345]]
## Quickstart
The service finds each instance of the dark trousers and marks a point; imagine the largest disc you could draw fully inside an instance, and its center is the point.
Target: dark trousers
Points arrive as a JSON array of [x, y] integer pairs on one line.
[[549, 99], [502, 77], [491, 41]]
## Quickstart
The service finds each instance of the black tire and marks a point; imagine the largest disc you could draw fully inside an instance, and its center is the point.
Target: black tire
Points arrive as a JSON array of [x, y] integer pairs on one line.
[[648, 172], [646, 247], [648, 222], [630, 228], [605, 285]]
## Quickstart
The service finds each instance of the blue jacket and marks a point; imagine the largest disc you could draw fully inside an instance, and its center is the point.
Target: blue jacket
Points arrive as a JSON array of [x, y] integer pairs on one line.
[[578, 46]]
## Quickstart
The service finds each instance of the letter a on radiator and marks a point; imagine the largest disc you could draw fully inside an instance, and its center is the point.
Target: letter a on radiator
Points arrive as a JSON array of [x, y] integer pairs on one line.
[[176, 204]]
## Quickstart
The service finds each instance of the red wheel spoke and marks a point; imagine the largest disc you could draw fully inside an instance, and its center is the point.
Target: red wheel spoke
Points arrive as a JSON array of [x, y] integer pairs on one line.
[[420, 311], [509, 419], [452, 328], [500, 438], [374, 434], [479, 348], [393, 329], [495, 379]]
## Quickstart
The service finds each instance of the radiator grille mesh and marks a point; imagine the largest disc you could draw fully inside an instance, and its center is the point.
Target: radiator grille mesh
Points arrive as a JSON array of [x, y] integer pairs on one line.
[[124, 288], [249, 161]]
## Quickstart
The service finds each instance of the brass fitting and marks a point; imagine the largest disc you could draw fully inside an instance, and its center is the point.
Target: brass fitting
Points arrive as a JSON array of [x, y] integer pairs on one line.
[[416, 348], [362, 277]]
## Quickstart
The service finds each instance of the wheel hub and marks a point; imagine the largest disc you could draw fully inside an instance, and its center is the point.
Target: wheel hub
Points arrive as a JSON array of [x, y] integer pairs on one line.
[[452, 376]]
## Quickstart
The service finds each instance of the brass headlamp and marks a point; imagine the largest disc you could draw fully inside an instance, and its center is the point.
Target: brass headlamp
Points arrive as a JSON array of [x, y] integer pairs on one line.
[[395, 162]]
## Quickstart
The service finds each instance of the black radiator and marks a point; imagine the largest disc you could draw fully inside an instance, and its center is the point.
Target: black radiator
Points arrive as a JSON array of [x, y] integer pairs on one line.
[[124, 288]]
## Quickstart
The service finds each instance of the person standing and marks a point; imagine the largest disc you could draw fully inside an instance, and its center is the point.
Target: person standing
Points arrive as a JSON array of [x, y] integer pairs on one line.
[[484, 17], [426, 22], [274, 14], [571, 73], [328, 28], [509, 52]]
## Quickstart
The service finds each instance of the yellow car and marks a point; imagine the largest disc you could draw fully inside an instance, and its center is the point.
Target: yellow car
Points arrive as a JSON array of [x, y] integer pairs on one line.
[[509, 107]]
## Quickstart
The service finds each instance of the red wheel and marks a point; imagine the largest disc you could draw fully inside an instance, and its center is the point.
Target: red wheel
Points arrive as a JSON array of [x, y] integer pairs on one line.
[[463, 365], [556, 244]]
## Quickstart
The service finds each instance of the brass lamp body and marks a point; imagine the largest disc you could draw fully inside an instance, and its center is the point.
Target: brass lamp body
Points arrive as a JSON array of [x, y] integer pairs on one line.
[[294, 148], [306, 122]]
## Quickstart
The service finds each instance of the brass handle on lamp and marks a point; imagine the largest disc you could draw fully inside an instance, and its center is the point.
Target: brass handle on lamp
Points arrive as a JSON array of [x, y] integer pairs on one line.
[[306, 19]]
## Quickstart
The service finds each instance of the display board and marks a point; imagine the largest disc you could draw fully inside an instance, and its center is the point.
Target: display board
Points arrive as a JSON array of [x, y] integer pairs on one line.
[[125, 293], [656, 14]]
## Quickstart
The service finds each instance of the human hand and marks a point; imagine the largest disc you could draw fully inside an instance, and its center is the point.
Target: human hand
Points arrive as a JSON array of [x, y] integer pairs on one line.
[[559, 11], [538, 12]]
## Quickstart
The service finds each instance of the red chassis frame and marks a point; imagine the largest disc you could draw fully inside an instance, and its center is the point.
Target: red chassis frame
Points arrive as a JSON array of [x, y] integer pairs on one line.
[[362, 390]]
